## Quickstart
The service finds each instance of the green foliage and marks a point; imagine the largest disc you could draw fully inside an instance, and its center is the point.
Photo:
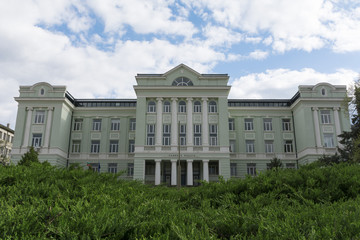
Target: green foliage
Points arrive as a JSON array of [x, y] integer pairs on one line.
[[43, 202], [330, 159], [275, 163], [29, 158]]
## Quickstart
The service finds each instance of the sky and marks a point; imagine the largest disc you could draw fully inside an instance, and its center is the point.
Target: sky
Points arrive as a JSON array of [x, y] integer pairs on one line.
[[96, 48]]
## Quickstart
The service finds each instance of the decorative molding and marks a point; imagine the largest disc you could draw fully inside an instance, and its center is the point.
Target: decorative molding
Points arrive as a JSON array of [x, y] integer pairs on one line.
[[114, 136], [269, 136], [95, 135], [288, 136], [250, 136], [328, 129]]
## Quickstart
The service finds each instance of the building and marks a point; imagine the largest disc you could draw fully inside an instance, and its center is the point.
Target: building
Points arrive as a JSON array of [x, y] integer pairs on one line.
[[179, 110], [6, 140]]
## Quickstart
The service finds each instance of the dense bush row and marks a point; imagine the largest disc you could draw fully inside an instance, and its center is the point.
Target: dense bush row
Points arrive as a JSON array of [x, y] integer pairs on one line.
[[41, 202]]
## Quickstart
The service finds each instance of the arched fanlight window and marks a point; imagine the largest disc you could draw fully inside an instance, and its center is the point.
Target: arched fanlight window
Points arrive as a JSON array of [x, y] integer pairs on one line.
[[182, 81], [212, 107], [167, 107], [197, 106], [151, 106], [182, 107]]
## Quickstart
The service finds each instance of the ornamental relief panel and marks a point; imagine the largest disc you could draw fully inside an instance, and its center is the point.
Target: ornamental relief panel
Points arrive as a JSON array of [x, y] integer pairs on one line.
[[114, 135], [249, 135], [166, 118], [37, 129], [150, 118], [213, 119], [268, 136], [77, 136], [182, 118], [287, 135], [95, 135], [328, 129], [197, 118], [131, 136]]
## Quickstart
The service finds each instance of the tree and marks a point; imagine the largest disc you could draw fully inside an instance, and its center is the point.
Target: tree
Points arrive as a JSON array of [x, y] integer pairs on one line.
[[350, 141], [275, 163], [30, 157]]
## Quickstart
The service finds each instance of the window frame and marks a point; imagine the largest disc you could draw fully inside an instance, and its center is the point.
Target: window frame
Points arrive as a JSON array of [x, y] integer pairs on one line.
[[249, 124], [267, 124], [250, 146], [115, 124], [114, 146], [182, 107], [212, 107], [95, 146], [197, 107], [286, 125], [39, 117], [36, 140], [96, 126], [325, 116], [151, 107]]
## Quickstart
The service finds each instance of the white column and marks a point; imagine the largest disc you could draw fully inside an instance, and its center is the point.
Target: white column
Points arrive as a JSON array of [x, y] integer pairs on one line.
[[48, 126], [27, 126], [317, 127], [173, 172], [205, 170], [174, 123], [158, 121], [157, 171], [337, 125], [205, 124], [189, 125], [190, 172]]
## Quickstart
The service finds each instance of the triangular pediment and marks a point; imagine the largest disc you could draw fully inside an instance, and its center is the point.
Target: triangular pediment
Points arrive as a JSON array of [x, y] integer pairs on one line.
[[181, 68]]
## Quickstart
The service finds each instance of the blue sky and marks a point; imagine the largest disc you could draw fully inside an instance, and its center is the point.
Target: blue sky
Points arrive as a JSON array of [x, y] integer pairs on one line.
[[95, 48]]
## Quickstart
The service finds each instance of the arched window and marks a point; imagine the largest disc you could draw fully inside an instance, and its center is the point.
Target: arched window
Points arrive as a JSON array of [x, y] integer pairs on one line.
[[167, 107], [151, 106], [197, 106], [42, 91], [182, 107], [182, 81], [212, 107], [323, 92]]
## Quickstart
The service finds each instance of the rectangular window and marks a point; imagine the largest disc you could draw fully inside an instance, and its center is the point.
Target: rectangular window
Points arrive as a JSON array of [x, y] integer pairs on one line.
[[96, 125], [166, 141], [166, 128], [95, 167], [286, 125], [78, 124], [151, 106], [182, 108], [251, 169], [213, 141], [213, 128], [132, 124], [197, 128], [328, 140], [232, 146], [233, 169], [39, 116], [95, 146], [114, 146], [249, 125], [182, 141], [197, 141], [231, 124], [267, 124], [112, 167], [288, 146], [115, 124], [197, 107], [151, 128], [131, 146], [130, 170], [36, 140], [213, 168], [290, 165], [325, 117], [269, 146], [182, 134], [76, 146], [182, 129], [167, 108], [150, 140], [250, 146]]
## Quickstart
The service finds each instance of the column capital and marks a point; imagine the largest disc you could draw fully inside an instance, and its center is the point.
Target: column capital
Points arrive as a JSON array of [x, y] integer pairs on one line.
[[189, 160], [29, 108], [205, 160], [204, 99], [174, 99], [336, 108], [50, 109], [315, 108], [189, 99], [157, 160], [159, 99], [173, 160]]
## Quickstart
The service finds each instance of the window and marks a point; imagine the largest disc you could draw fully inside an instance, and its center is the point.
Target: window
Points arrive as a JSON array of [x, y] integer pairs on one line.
[[182, 141], [249, 125], [131, 146], [269, 146], [95, 167], [325, 116], [323, 92], [42, 91], [213, 128], [95, 146], [39, 116], [150, 168], [36, 140], [150, 134], [115, 124], [212, 107], [233, 169], [290, 165], [166, 128], [114, 146], [182, 107], [213, 168], [197, 128], [267, 124], [213, 141], [167, 107], [166, 134], [197, 134], [112, 167], [76, 146], [182, 134], [251, 169], [213, 134], [288, 147], [250, 148], [197, 141], [231, 124], [328, 140], [232, 146], [78, 124], [182, 81], [96, 125], [286, 125], [132, 124], [197, 106], [151, 106], [130, 170]]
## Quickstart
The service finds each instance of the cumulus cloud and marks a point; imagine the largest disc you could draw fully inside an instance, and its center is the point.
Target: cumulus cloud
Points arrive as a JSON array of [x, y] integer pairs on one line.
[[284, 82]]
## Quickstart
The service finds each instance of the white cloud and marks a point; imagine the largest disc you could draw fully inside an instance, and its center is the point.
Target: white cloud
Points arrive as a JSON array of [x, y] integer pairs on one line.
[[258, 55], [284, 82]]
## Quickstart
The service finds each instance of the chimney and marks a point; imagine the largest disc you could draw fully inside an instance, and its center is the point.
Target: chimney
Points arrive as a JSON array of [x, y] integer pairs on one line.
[[8, 125]]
